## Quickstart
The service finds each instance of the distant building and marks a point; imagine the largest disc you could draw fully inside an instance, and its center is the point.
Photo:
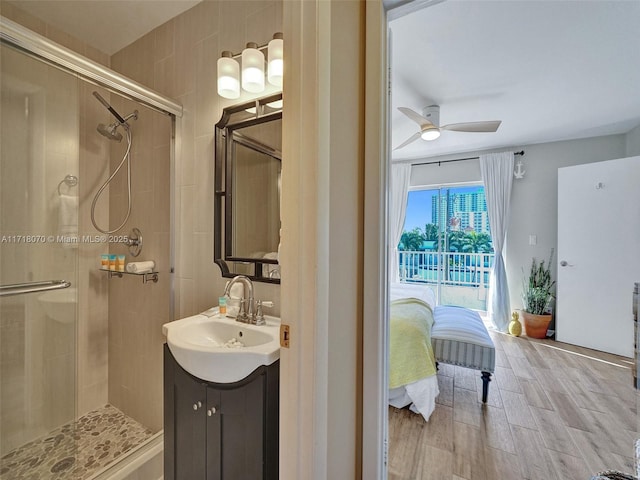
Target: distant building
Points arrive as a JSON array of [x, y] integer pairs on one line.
[[468, 211]]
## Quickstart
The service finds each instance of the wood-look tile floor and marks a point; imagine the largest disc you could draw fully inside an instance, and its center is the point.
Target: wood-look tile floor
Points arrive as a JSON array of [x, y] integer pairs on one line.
[[555, 411]]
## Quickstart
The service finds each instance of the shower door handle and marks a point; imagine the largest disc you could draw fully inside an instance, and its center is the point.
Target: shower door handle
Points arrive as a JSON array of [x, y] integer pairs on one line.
[[32, 287]]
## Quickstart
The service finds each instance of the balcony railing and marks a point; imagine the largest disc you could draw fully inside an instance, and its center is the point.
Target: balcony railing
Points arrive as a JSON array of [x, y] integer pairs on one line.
[[448, 268]]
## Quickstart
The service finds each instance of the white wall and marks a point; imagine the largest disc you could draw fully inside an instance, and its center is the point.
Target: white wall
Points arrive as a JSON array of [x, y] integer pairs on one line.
[[633, 142], [534, 199], [455, 172]]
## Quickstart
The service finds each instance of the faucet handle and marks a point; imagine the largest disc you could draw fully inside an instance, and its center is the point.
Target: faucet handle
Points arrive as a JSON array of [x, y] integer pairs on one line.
[[259, 315]]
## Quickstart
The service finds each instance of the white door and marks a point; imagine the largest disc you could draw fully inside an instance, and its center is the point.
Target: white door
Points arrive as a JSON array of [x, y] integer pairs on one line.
[[598, 254]]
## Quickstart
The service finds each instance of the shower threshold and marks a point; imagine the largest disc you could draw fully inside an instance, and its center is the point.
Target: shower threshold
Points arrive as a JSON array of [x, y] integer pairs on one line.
[[76, 450]]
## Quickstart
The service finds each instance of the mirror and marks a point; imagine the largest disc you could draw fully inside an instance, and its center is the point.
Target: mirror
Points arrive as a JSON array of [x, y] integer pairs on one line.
[[248, 167]]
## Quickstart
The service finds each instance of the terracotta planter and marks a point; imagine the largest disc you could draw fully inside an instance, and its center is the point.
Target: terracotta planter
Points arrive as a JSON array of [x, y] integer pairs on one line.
[[536, 325]]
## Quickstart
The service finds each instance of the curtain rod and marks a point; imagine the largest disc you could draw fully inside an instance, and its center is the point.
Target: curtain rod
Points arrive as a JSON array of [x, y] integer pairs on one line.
[[521, 152]]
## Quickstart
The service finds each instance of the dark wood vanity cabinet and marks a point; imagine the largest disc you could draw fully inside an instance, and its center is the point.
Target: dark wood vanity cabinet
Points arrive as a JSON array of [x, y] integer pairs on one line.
[[220, 431]]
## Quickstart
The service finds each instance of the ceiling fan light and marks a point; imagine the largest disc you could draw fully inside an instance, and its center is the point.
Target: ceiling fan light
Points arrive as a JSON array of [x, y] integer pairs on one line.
[[430, 134]]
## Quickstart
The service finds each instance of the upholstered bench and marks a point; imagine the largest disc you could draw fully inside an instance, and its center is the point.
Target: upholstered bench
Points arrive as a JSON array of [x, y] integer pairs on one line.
[[459, 337]]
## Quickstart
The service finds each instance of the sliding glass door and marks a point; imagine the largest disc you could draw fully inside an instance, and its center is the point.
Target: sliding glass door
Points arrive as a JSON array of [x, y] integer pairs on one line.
[[38, 275], [446, 244]]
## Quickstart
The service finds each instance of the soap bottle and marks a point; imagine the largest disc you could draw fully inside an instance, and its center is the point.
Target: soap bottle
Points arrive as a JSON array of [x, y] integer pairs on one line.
[[222, 305]]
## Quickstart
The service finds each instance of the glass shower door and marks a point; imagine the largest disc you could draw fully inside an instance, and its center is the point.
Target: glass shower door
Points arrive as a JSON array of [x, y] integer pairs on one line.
[[38, 250]]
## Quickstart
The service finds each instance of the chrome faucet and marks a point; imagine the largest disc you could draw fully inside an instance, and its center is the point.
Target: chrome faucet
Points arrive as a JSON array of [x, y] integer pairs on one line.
[[245, 314]]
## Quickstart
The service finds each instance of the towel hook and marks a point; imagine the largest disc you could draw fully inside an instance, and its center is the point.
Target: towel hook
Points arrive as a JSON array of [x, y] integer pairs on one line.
[[69, 181]]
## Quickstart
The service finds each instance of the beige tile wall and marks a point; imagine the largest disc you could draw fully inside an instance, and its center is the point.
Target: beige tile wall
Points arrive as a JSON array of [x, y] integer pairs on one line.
[[179, 60], [138, 310], [93, 287]]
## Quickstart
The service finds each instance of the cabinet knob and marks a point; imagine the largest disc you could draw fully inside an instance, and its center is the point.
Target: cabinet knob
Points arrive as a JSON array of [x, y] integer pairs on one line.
[[211, 411], [196, 406]]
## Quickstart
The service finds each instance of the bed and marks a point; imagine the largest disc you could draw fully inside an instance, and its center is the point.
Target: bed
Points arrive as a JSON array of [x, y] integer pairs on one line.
[[412, 382], [422, 335]]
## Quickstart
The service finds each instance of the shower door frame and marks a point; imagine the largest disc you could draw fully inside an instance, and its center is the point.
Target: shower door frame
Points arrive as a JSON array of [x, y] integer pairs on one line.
[[86, 69], [46, 50]]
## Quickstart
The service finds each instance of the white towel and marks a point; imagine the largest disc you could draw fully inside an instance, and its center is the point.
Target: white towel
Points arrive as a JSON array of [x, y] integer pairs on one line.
[[68, 220], [233, 302], [141, 267]]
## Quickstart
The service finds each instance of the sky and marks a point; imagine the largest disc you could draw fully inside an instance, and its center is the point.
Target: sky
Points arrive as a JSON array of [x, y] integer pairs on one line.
[[418, 212]]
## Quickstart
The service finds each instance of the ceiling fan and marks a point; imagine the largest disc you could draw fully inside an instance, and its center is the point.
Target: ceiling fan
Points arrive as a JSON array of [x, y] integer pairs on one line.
[[430, 128]]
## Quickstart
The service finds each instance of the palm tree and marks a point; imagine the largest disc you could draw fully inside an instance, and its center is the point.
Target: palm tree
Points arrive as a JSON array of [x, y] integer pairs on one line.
[[410, 241], [456, 240], [431, 232], [477, 243]]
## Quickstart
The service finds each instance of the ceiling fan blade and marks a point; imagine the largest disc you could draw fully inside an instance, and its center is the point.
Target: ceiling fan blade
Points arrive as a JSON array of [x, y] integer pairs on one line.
[[416, 117], [409, 140], [490, 126]]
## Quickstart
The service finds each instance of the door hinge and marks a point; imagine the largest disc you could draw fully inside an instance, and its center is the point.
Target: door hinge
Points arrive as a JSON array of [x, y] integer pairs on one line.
[[284, 336]]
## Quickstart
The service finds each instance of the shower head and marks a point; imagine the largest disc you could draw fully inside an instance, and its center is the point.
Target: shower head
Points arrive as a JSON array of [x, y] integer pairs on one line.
[[110, 131]]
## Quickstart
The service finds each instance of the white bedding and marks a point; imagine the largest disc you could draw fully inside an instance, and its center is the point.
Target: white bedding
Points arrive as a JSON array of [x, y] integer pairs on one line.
[[421, 395], [412, 290]]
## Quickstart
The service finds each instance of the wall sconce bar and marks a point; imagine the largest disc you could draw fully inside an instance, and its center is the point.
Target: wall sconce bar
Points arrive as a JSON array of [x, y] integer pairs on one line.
[[252, 71]]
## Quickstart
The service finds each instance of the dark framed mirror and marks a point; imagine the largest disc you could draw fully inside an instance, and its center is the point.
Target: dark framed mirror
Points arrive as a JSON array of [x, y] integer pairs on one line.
[[248, 168]]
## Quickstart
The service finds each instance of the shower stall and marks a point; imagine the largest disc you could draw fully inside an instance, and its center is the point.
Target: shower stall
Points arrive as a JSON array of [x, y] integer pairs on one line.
[[80, 348]]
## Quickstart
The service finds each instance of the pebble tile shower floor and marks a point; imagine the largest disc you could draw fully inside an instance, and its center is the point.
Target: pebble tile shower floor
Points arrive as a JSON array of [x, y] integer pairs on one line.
[[76, 450]]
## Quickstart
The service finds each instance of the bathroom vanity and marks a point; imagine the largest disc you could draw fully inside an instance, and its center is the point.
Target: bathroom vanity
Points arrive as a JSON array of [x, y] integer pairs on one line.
[[221, 398], [220, 431]]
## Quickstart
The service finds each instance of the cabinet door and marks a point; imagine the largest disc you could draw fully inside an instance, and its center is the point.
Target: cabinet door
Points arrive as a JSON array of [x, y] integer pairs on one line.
[[189, 414], [239, 420], [214, 438]]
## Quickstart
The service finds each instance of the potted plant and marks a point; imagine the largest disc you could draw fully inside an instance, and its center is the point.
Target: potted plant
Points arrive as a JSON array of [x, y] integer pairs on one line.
[[537, 293]]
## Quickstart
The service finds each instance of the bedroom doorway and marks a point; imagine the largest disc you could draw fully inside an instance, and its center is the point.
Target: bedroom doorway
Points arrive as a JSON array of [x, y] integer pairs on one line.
[[446, 243]]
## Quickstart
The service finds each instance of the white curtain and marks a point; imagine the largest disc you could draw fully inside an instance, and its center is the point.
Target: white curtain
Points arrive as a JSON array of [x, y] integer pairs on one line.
[[497, 175], [400, 175]]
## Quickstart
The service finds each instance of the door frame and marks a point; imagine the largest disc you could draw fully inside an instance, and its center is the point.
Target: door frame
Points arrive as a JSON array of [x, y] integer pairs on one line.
[[375, 269]]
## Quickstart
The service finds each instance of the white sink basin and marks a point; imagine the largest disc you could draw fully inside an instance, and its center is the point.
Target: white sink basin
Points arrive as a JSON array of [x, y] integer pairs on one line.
[[60, 304], [202, 345]]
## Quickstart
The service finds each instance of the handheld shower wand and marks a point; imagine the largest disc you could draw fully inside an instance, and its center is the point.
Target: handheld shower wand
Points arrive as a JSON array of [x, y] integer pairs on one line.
[[111, 133], [108, 107]]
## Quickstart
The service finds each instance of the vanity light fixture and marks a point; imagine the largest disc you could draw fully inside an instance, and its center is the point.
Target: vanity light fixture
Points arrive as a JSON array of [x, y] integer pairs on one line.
[[252, 69], [275, 65], [228, 76], [252, 59]]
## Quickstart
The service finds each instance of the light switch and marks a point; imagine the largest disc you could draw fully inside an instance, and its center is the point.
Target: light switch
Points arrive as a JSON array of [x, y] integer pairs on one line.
[[533, 239]]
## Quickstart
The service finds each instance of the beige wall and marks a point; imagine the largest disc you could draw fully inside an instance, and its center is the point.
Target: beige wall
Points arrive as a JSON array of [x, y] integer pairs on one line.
[[138, 310], [183, 66], [177, 59]]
